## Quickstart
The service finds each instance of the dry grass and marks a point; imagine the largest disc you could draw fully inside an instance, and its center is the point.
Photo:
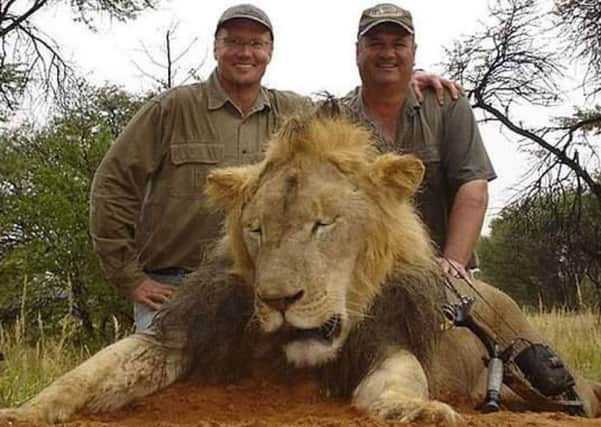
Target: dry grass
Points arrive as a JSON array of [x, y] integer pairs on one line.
[[31, 364], [577, 337], [28, 367]]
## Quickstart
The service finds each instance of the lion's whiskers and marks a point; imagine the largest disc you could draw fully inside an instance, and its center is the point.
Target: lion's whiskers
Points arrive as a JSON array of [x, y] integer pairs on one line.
[[352, 308]]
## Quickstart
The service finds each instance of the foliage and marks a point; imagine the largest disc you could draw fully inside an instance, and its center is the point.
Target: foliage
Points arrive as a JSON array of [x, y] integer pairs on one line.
[[521, 59], [581, 22], [121, 10], [546, 252], [31, 58], [587, 119], [516, 70], [45, 179]]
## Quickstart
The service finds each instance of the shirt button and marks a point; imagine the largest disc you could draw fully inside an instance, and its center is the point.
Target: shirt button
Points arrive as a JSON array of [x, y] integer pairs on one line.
[[243, 151]]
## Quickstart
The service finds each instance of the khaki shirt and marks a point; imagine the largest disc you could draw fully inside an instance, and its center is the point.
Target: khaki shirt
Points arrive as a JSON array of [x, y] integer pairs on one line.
[[147, 208], [446, 138]]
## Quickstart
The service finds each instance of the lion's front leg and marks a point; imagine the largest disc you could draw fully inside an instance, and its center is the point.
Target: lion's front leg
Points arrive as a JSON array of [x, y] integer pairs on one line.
[[398, 390], [130, 368]]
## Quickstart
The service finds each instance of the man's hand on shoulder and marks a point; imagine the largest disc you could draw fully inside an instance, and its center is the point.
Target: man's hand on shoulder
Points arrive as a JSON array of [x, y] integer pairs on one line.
[[152, 293], [421, 80]]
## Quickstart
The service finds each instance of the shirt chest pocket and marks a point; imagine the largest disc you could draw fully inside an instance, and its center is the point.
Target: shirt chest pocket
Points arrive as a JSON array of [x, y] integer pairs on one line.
[[430, 155], [190, 162]]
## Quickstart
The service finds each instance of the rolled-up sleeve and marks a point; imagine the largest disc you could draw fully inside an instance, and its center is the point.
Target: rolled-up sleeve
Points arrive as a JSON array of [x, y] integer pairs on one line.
[[465, 156]]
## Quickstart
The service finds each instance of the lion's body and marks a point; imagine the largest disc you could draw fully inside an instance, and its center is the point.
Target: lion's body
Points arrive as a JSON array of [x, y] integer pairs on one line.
[[324, 266]]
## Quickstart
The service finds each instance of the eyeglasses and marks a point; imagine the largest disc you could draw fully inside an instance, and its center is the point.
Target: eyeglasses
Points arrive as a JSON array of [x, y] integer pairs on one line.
[[239, 44]]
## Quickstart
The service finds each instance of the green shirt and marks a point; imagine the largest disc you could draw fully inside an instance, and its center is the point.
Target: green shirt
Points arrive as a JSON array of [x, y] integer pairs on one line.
[[446, 138], [147, 208]]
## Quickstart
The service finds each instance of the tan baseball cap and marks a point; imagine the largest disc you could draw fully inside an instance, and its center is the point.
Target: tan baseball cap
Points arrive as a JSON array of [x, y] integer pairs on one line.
[[384, 12], [245, 11]]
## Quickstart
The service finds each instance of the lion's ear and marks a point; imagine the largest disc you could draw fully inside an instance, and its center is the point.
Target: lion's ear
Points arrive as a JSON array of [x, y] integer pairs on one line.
[[401, 174], [227, 186]]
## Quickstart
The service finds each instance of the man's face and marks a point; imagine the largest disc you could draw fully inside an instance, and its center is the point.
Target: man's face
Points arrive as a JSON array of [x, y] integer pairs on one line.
[[242, 50], [385, 55]]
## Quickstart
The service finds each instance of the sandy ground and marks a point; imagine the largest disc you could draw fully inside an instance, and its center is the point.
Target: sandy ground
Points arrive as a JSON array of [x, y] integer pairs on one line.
[[256, 404]]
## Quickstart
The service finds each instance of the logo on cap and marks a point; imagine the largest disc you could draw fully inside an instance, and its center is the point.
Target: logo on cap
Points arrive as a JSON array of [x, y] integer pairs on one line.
[[385, 11], [382, 13]]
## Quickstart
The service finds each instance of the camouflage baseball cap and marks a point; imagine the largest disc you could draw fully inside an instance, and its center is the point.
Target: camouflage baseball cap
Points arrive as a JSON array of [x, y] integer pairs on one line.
[[245, 11], [384, 12]]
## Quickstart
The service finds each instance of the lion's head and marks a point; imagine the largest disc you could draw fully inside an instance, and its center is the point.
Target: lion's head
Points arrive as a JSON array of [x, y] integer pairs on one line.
[[318, 227]]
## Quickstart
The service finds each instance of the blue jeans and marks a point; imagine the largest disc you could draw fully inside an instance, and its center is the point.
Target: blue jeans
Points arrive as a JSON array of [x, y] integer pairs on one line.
[[142, 314]]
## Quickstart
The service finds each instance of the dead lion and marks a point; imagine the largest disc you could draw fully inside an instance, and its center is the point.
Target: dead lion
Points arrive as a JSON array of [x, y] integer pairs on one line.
[[325, 266]]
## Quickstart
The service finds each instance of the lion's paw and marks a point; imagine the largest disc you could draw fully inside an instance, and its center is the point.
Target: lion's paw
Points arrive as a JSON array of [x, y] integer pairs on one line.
[[9, 414], [17, 414], [34, 415], [405, 410]]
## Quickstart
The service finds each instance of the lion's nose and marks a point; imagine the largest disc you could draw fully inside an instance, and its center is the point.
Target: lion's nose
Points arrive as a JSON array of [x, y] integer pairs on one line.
[[281, 303]]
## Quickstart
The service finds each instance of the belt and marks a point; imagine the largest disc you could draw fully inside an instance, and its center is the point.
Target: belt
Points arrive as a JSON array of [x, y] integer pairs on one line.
[[171, 271]]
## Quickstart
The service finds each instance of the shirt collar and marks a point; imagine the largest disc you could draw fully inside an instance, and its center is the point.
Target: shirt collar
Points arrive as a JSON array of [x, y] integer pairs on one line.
[[412, 106], [218, 97], [357, 109]]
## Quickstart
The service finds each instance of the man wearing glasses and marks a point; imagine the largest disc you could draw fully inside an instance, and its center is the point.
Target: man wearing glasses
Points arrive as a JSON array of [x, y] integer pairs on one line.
[[147, 219]]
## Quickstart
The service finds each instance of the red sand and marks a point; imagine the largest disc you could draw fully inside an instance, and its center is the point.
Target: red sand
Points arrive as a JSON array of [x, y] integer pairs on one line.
[[256, 404]]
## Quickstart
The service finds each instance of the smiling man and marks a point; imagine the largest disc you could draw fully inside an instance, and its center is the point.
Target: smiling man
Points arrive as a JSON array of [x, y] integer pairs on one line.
[[148, 221], [454, 195], [243, 49]]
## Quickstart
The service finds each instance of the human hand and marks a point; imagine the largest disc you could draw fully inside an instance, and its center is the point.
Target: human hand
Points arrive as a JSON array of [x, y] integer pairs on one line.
[[421, 80], [152, 293], [451, 267]]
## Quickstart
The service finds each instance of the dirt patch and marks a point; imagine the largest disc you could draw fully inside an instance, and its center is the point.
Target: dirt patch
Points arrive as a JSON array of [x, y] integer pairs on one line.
[[252, 403]]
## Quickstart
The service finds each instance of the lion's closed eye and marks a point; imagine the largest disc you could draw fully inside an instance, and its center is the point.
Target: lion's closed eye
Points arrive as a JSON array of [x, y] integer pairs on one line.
[[321, 226], [254, 231]]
